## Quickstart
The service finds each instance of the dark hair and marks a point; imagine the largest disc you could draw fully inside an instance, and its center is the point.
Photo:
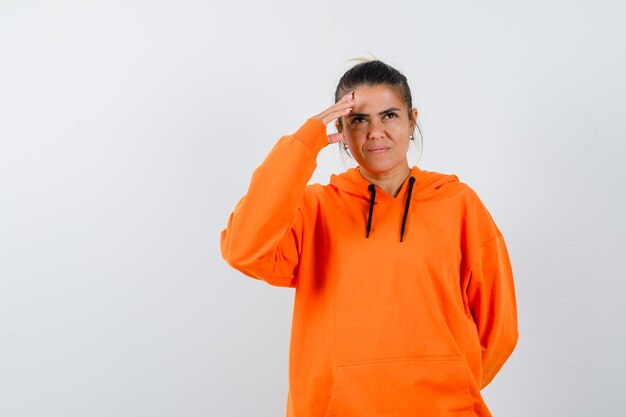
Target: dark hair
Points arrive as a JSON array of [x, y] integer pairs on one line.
[[372, 73]]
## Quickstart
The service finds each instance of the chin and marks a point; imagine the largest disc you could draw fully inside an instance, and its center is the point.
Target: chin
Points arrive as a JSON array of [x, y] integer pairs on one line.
[[380, 168], [381, 163]]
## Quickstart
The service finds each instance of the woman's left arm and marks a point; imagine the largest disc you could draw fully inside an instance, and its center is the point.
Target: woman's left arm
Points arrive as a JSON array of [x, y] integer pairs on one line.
[[489, 288], [491, 299]]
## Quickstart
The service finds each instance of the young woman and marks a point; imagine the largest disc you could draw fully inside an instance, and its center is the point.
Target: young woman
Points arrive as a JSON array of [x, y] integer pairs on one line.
[[404, 303]]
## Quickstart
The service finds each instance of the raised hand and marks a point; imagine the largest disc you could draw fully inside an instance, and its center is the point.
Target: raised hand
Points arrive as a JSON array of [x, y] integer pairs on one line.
[[341, 108]]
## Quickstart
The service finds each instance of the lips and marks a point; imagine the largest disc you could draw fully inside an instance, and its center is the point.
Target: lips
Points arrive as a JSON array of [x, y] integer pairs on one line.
[[377, 149]]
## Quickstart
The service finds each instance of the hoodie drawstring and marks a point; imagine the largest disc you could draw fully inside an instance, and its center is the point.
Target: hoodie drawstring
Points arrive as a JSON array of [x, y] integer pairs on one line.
[[372, 189], [406, 207]]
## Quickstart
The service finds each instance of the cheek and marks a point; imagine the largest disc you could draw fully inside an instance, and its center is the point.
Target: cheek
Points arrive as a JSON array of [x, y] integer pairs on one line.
[[402, 132], [352, 134], [355, 129]]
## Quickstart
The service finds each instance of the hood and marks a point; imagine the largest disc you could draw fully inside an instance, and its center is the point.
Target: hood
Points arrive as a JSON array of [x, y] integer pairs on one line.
[[426, 183], [420, 185]]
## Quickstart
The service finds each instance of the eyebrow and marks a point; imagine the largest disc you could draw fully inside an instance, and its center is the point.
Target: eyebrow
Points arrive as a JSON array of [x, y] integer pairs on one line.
[[392, 109]]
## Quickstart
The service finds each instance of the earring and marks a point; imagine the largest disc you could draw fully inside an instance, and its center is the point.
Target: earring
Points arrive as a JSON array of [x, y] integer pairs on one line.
[[411, 137], [345, 147]]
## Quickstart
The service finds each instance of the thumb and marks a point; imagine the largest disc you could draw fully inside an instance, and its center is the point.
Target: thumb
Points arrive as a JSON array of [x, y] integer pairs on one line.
[[335, 137]]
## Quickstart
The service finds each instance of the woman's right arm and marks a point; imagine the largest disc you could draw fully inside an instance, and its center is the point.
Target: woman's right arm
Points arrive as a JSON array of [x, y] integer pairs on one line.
[[263, 232]]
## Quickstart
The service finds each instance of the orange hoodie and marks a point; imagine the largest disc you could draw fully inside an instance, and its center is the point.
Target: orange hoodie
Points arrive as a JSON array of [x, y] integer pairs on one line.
[[381, 327]]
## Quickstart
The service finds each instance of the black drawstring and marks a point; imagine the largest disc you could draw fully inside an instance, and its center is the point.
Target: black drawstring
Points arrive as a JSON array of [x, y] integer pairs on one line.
[[406, 207], [372, 189]]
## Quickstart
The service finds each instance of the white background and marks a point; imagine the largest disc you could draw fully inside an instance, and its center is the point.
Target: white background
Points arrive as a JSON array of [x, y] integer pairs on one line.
[[129, 129]]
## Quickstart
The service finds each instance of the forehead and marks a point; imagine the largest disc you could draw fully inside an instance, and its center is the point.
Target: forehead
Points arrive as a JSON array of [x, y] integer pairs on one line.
[[376, 98]]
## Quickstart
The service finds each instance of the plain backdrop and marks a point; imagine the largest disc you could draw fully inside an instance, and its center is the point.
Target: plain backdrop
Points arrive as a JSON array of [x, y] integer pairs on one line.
[[129, 130]]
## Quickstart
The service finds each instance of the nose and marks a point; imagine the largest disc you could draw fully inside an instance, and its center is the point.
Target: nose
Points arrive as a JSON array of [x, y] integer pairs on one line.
[[376, 129]]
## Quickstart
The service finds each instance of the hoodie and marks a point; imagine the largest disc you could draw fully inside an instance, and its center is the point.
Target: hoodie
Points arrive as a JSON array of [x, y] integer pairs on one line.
[[404, 306]]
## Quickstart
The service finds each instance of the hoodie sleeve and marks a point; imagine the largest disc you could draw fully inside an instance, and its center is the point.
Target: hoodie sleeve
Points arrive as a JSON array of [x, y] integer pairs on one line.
[[490, 292], [262, 238]]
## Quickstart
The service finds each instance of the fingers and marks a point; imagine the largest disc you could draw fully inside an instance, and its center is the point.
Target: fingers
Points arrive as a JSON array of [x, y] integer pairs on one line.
[[342, 108]]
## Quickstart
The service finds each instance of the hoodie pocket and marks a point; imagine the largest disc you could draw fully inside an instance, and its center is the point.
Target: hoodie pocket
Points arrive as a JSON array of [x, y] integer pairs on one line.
[[431, 386]]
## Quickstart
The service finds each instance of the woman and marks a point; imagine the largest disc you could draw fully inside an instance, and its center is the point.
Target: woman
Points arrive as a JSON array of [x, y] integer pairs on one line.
[[405, 303]]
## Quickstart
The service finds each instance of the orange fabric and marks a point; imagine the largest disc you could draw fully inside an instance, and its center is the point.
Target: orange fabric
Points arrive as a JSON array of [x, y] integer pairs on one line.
[[380, 327]]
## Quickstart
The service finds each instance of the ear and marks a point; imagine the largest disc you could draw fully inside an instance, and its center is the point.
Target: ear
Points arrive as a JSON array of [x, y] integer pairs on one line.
[[338, 126], [414, 124]]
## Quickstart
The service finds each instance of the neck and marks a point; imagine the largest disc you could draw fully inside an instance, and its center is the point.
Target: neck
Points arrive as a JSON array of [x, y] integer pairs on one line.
[[390, 181]]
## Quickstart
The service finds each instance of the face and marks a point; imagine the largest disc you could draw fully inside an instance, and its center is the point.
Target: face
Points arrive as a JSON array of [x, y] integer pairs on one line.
[[377, 131]]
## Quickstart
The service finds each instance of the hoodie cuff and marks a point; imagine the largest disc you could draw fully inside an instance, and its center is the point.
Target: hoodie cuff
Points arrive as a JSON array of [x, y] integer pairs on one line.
[[313, 135]]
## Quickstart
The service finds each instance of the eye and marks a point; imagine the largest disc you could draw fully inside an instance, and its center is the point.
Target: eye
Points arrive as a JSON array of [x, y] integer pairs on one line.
[[391, 115], [357, 120]]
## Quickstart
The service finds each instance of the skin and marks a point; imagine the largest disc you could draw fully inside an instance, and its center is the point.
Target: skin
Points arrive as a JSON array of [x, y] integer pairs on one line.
[[376, 128]]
